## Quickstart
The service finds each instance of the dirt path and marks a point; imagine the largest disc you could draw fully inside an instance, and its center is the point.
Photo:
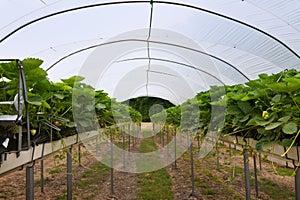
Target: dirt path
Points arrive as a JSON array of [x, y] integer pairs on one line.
[[210, 182]]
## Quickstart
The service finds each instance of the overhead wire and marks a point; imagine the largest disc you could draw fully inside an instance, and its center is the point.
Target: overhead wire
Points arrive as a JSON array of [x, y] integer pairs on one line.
[[150, 41], [148, 45], [156, 2]]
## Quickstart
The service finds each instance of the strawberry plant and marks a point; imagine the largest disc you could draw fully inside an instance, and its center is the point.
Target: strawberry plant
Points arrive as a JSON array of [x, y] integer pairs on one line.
[[266, 109], [56, 102]]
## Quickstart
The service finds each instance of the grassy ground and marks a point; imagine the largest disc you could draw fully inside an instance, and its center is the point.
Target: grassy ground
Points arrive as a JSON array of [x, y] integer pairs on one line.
[[156, 184], [92, 180]]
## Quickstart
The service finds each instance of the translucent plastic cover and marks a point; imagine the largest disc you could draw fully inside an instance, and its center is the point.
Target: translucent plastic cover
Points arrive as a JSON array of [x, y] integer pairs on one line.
[[168, 49]]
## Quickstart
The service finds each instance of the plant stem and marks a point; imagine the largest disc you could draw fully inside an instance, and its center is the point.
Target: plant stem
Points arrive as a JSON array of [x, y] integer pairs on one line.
[[294, 100], [66, 111], [291, 144], [234, 132]]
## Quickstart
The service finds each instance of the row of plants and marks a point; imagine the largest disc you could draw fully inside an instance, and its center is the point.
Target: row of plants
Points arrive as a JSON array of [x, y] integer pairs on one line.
[[56, 102], [266, 109]]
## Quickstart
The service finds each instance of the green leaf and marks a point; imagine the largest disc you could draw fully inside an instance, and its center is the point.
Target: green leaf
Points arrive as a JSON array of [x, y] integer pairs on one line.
[[245, 118], [59, 96], [220, 102], [70, 81], [45, 104], [276, 98], [273, 125], [234, 110], [258, 120], [100, 106], [31, 63], [290, 128], [254, 84], [287, 87], [35, 100], [245, 106], [284, 119], [286, 142]]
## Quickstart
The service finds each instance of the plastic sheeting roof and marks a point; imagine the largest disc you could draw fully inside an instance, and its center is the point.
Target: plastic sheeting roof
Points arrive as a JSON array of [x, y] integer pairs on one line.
[[167, 49]]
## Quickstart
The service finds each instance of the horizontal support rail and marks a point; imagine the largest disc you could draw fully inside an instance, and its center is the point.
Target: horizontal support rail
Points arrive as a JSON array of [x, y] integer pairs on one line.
[[272, 155], [13, 163]]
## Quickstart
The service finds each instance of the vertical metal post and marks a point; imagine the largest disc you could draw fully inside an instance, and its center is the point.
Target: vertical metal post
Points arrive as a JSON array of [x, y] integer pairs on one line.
[[123, 138], [168, 135], [247, 173], [69, 174], [42, 176], [134, 135], [111, 164], [20, 93], [192, 170], [30, 183], [175, 163], [260, 162], [160, 136], [42, 168], [153, 129], [97, 144], [217, 154], [129, 137], [168, 130], [79, 156], [198, 140], [163, 137], [297, 184], [255, 175]]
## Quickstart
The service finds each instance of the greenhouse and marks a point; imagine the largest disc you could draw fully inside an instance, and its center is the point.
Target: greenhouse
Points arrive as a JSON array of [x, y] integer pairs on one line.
[[188, 99]]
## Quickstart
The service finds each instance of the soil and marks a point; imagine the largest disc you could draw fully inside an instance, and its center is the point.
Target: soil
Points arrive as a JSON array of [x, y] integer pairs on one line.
[[207, 176]]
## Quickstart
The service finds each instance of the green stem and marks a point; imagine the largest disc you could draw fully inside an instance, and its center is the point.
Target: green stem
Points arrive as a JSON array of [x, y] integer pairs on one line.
[[294, 100], [66, 111], [291, 144], [234, 132]]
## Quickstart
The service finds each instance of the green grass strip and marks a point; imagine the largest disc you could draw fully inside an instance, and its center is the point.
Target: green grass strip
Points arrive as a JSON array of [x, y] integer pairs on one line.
[[89, 182], [155, 184]]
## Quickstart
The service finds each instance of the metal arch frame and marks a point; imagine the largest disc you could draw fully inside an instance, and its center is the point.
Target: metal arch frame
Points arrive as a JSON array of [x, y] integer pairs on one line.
[[175, 62], [146, 41], [159, 85], [151, 3], [167, 74]]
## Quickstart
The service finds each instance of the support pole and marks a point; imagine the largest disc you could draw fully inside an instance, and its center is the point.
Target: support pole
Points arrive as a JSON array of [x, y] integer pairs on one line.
[[247, 173], [79, 156], [168, 130], [124, 153], [97, 144], [163, 137], [260, 162], [192, 170], [175, 163], [42, 169], [69, 174], [129, 137], [111, 164], [133, 134], [217, 155], [297, 184], [20, 92], [255, 175], [198, 140], [30, 183], [153, 129], [42, 176]]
